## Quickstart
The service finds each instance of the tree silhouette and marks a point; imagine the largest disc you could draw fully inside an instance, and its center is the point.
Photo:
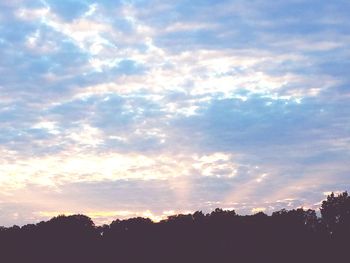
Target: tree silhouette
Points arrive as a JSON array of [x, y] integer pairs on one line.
[[223, 236], [336, 212]]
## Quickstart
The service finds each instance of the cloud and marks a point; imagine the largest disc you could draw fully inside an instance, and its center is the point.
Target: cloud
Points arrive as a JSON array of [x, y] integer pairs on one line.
[[202, 104], [68, 9]]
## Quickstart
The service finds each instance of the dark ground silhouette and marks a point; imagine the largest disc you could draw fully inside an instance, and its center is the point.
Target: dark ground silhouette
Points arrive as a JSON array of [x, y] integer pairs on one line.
[[222, 236]]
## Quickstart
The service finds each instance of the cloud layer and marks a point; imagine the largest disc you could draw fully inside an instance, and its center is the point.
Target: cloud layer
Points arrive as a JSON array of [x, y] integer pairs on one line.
[[125, 108]]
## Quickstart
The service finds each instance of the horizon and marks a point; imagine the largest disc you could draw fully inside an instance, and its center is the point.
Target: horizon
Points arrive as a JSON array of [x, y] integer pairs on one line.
[[148, 214], [96, 216], [134, 107]]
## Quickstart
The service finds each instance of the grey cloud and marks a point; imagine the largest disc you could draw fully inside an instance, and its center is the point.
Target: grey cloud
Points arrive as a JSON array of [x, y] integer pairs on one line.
[[68, 9], [264, 121], [14, 213]]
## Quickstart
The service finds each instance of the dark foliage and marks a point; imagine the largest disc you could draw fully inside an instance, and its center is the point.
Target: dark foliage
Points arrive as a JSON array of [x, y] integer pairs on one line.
[[222, 236]]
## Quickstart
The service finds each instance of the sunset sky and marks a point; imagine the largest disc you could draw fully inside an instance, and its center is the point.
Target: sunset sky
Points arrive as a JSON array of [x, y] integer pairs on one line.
[[117, 109]]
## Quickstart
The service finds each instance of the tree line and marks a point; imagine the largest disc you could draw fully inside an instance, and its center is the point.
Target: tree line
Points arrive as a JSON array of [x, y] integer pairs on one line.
[[221, 236]]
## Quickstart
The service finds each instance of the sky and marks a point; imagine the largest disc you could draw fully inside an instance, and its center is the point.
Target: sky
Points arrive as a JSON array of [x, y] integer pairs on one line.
[[117, 109]]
